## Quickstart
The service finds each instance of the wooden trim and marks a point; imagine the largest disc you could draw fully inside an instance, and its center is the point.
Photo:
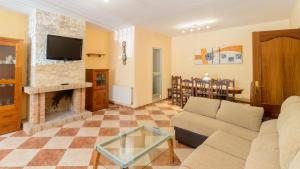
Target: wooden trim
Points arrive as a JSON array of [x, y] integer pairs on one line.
[[269, 35]]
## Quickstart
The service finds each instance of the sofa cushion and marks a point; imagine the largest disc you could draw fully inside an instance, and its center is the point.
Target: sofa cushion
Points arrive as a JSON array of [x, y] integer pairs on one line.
[[286, 113], [206, 126], [241, 114], [204, 106], [205, 157], [263, 160], [228, 143], [289, 140], [290, 100], [268, 127], [265, 143]]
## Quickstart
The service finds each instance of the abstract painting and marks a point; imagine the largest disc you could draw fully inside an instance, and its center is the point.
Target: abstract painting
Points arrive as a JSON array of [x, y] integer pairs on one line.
[[224, 55], [231, 55], [204, 56]]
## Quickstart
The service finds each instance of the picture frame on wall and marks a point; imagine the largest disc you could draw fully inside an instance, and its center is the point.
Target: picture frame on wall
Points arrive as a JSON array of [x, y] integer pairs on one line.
[[219, 55]]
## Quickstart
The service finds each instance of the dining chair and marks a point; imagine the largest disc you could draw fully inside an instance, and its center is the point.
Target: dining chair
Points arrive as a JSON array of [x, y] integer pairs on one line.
[[187, 90], [203, 88], [220, 90], [176, 90], [231, 84]]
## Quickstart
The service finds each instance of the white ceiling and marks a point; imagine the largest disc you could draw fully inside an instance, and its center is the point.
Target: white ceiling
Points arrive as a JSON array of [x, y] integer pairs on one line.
[[162, 15]]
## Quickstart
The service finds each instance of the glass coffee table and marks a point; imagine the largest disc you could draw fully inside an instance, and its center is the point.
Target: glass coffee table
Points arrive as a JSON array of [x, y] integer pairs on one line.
[[132, 145]]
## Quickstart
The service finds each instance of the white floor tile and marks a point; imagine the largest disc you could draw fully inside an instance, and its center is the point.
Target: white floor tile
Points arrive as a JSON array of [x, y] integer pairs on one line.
[[88, 131], [12, 142], [18, 158], [59, 143], [76, 157]]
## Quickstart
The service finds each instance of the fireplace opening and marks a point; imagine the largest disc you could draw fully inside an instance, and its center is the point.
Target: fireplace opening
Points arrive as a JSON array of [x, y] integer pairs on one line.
[[58, 104]]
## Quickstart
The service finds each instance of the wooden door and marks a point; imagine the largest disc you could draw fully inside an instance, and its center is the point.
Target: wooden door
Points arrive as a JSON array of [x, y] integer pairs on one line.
[[276, 68], [10, 84]]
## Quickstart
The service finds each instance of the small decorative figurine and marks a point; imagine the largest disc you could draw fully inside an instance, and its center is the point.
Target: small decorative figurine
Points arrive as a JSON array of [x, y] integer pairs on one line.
[[124, 56]]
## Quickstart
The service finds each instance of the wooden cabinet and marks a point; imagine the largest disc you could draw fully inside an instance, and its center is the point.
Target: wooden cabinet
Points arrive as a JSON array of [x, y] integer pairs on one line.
[[276, 68], [11, 53], [97, 96]]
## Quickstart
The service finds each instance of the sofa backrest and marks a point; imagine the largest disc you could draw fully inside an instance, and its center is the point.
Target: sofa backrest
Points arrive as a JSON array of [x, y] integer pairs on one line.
[[203, 106], [288, 125], [242, 115]]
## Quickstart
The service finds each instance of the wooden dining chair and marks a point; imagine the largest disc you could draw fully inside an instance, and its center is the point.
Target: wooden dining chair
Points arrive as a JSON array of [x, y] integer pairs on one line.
[[220, 90], [187, 90], [231, 83], [203, 88], [176, 90]]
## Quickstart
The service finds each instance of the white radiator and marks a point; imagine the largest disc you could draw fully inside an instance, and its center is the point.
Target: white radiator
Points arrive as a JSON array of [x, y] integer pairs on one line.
[[122, 95]]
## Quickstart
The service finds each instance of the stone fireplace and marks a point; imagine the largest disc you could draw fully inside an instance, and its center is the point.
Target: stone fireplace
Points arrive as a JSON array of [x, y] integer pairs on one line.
[[57, 88]]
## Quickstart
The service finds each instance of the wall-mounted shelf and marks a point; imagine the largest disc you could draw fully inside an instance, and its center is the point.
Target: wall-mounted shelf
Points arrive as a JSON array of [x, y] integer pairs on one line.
[[95, 54]]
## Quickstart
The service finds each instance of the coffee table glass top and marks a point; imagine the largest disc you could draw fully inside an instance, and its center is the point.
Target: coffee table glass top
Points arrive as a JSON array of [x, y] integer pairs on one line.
[[128, 146]]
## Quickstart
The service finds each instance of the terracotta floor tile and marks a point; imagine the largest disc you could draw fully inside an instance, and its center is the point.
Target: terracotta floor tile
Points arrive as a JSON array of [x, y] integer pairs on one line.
[[111, 117], [20, 134], [127, 112], [92, 124], [83, 142], [128, 124], [11, 167], [163, 123], [156, 112], [4, 153], [109, 131], [47, 157], [2, 138], [35, 143], [67, 132], [143, 117], [164, 160], [165, 108]]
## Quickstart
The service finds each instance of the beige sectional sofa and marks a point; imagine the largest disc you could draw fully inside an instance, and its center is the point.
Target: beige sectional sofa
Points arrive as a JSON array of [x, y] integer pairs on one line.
[[234, 144]]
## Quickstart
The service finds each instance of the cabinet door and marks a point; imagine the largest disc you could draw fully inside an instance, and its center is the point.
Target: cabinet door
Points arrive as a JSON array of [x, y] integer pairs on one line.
[[100, 100], [100, 79], [10, 86]]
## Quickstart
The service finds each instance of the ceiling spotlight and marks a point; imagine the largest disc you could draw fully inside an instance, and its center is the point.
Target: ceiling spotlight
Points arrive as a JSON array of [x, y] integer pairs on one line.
[[207, 27], [183, 31], [106, 1]]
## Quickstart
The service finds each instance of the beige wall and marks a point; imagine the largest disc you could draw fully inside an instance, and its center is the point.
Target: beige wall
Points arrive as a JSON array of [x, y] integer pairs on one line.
[[96, 41], [15, 25], [183, 48], [145, 41], [119, 74], [295, 15]]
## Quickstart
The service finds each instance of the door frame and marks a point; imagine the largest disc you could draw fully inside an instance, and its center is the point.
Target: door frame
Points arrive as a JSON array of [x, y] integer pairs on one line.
[[258, 38], [161, 70]]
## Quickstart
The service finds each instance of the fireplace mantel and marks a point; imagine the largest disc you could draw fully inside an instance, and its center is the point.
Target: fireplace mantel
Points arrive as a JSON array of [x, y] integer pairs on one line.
[[44, 89]]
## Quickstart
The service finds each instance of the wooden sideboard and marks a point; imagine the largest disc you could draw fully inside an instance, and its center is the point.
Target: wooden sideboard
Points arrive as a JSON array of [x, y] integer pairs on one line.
[[11, 53], [97, 96]]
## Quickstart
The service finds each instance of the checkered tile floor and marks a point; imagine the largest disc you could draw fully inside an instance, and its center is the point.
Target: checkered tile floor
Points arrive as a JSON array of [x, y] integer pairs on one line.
[[71, 146]]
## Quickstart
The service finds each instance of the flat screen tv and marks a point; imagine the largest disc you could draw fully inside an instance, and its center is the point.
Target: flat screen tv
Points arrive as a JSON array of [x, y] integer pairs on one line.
[[63, 48]]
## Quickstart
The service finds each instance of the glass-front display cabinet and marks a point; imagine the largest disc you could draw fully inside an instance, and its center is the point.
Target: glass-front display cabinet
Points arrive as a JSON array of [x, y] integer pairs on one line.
[[97, 96], [10, 84]]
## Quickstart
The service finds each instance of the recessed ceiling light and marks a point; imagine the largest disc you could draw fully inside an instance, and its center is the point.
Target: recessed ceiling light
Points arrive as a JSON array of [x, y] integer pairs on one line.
[[208, 27], [106, 1], [183, 31]]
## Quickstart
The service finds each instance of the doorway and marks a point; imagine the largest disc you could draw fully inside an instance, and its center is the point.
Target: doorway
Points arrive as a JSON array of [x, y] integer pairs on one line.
[[157, 74]]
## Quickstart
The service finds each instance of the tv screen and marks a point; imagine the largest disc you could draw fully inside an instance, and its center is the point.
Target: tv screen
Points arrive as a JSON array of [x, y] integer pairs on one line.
[[63, 48]]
